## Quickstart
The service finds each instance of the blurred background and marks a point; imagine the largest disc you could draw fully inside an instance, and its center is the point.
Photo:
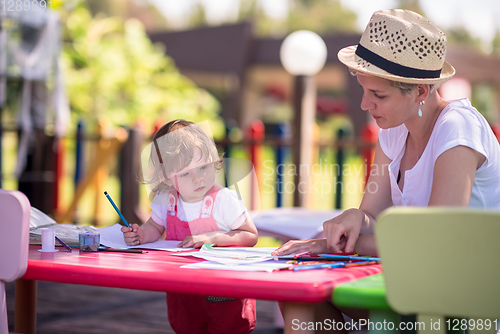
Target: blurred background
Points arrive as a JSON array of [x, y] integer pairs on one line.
[[84, 85]]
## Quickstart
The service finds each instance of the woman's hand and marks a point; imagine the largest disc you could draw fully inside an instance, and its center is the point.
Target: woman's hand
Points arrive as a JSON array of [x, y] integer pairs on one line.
[[315, 246], [342, 231], [133, 235], [366, 245]]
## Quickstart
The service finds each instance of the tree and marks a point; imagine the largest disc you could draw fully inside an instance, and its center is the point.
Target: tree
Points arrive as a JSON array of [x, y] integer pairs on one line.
[[320, 16], [144, 11], [459, 35], [495, 43], [113, 70], [413, 5], [198, 16], [250, 10]]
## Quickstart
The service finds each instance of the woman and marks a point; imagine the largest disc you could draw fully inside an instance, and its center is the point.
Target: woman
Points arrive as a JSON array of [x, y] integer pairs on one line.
[[430, 152]]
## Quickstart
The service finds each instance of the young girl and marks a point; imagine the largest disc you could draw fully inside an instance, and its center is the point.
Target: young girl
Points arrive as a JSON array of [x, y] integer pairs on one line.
[[192, 208]]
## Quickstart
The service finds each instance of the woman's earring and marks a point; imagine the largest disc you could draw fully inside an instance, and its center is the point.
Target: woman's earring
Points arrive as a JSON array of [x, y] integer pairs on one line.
[[420, 108]]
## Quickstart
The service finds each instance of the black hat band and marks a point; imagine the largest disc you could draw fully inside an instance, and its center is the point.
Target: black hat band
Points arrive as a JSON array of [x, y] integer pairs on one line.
[[393, 68]]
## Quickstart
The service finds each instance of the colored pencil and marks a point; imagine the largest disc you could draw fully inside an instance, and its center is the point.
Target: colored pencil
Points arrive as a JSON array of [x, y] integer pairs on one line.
[[319, 266], [364, 263], [116, 209], [296, 256], [347, 257], [125, 250], [332, 265], [63, 243]]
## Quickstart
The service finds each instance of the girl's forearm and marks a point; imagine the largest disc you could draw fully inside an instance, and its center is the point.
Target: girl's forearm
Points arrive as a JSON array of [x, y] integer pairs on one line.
[[150, 236], [150, 232], [233, 238]]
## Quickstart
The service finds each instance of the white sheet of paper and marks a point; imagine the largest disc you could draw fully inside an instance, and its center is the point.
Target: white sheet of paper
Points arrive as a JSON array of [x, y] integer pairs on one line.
[[112, 236], [39, 219], [253, 251], [261, 266], [233, 255], [227, 260]]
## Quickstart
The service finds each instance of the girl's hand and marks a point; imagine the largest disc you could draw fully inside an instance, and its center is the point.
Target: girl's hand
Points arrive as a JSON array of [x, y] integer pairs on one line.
[[314, 246], [133, 235], [342, 231], [195, 241]]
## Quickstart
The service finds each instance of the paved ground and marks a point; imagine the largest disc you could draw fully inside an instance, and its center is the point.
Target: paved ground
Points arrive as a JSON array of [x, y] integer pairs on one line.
[[68, 308]]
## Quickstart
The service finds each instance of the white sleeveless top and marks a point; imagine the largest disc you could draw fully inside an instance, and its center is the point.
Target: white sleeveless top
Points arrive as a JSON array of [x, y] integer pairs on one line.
[[458, 124]]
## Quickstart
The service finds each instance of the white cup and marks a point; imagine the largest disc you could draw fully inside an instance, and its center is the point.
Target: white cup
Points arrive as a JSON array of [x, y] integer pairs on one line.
[[48, 240]]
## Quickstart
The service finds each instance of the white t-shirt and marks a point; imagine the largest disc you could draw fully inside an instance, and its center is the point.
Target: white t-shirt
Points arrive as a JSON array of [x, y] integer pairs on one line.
[[229, 210], [458, 124]]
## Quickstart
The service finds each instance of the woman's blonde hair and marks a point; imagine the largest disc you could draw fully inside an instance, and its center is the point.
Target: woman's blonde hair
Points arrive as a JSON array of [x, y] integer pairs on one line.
[[406, 88], [173, 148]]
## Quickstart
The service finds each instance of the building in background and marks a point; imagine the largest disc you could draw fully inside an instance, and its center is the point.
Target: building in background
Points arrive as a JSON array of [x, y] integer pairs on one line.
[[245, 73]]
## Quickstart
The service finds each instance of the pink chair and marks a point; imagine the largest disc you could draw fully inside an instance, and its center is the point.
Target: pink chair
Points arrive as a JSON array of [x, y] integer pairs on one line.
[[14, 227]]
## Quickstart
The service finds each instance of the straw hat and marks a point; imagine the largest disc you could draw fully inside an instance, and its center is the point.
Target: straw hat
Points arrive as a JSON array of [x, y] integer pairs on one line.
[[400, 45]]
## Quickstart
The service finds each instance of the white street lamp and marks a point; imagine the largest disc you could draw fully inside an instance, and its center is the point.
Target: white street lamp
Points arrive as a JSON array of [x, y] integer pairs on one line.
[[303, 54]]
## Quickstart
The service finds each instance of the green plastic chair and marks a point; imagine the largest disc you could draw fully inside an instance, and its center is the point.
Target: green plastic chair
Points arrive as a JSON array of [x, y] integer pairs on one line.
[[442, 264], [368, 293]]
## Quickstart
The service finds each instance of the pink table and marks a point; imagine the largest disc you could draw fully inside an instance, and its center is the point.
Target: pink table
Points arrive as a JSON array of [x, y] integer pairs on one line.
[[160, 271]]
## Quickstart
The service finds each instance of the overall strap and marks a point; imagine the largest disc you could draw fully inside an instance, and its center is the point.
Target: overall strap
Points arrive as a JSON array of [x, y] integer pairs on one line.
[[208, 202], [172, 200]]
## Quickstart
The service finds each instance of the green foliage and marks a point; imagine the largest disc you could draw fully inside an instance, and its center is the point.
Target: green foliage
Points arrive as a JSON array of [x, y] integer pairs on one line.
[[320, 16], [144, 11], [413, 5], [483, 98], [113, 70], [495, 43], [248, 10], [459, 35], [456, 35], [198, 16]]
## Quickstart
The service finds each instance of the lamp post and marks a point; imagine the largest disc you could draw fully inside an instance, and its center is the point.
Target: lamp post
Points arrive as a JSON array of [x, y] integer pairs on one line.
[[303, 54]]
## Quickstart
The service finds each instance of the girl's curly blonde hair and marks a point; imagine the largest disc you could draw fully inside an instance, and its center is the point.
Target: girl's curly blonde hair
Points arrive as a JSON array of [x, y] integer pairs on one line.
[[173, 148]]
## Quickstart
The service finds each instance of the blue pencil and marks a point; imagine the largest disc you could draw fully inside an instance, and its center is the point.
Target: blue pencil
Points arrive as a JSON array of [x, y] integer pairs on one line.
[[332, 265], [348, 257], [116, 208], [319, 266]]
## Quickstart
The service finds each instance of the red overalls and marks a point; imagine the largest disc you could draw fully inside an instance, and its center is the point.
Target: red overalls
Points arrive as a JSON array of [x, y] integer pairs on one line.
[[194, 313]]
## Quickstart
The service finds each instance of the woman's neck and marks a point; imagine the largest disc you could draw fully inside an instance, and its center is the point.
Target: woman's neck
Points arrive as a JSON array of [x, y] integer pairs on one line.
[[420, 128]]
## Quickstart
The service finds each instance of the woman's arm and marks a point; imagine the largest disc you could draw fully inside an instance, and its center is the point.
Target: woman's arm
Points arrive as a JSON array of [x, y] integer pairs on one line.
[[366, 245], [352, 222], [454, 173], [245, 235], [342, 231]]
